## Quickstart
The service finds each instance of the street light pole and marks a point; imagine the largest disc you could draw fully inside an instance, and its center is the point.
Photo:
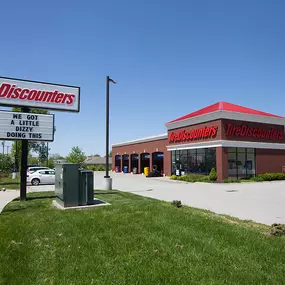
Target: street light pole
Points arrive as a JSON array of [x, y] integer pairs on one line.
[[108, 80], [47, 154]]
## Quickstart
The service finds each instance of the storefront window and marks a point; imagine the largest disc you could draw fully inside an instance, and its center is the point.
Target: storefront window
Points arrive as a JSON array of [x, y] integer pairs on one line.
[[193, 161], [241, 163]]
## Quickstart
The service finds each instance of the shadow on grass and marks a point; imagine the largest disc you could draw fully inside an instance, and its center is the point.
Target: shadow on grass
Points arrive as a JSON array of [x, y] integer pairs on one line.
[[36, 198], [41, 197], [105, 193], [14, 210]]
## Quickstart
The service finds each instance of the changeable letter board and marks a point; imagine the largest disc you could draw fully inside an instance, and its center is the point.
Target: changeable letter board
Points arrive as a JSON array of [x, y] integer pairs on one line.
[[26, 126]]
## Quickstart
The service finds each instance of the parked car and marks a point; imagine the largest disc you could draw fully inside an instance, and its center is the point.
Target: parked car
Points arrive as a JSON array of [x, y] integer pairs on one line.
[[32, 169], [43, 176]]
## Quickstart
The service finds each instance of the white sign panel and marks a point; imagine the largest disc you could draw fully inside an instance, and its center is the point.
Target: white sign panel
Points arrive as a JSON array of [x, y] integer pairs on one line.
[[26, 126], [32, 94]]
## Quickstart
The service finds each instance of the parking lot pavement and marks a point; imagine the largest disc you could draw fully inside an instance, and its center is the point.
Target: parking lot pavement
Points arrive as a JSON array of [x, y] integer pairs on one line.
[[262, 202], [40, 188]]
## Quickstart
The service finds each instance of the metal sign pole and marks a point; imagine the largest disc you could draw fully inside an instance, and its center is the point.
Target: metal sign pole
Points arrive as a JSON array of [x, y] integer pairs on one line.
[[107, 127], [108, 80], [24, 165]]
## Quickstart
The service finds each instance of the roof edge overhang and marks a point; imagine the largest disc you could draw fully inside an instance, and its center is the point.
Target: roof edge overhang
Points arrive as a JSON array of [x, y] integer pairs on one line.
[[226, 143], [222, 114], [142, 140]]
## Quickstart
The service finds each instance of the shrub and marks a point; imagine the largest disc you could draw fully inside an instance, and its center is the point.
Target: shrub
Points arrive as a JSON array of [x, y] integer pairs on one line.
[[231, 181], [272, 176], [91, 167], [277, 229], [194, 178], [173, 177], [204, 179], [256, 179], [100, 168], [3, 175], [177, 203], [213, 175]]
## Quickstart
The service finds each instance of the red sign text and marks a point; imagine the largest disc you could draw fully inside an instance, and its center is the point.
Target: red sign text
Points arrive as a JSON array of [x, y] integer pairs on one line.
[[190, 135], [246, 131]]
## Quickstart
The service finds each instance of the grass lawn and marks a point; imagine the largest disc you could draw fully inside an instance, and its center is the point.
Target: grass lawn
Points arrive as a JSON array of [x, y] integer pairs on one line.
[[9, 183], [136, 240]]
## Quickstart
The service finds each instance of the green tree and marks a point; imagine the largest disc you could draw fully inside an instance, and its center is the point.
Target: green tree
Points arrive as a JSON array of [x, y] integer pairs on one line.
[[56, 156], [16, 154], [110, 154], [6, 162], [33, 160], [76, 156], [50, 163]]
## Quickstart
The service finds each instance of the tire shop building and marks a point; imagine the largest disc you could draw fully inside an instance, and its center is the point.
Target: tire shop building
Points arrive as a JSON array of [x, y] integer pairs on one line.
[[239, 142]]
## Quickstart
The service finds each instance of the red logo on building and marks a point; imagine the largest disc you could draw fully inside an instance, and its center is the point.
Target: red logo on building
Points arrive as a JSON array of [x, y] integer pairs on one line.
[[198, 134], [246, 131]]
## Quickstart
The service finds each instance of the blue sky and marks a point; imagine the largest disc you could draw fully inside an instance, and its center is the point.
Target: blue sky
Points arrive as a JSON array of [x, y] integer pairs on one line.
[[169, 58]]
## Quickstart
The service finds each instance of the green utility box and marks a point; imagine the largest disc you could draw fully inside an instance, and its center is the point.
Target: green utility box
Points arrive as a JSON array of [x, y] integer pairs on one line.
[[73, 186], [86, 193]]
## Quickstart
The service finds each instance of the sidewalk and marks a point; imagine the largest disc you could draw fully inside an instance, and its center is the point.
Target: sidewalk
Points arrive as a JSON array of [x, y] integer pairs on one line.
[[6, 197]]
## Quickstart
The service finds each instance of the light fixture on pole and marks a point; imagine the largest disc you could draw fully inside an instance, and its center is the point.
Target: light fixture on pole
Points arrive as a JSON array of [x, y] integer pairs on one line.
[[108, 179]]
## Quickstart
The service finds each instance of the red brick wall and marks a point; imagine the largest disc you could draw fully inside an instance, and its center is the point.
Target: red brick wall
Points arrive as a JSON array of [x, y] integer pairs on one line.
[[269, 160], [146, 147]]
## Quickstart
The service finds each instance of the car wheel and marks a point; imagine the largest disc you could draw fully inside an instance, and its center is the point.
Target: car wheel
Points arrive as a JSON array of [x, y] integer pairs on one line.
[[35, 181]]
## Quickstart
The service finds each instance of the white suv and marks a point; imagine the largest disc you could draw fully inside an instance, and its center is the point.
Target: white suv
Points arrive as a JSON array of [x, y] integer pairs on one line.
[[43, 176], [35, 168]]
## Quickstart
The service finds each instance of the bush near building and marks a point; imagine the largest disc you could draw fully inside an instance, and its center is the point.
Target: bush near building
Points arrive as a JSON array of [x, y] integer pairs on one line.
[[96, 167], [259, 178], [212, 177], [197, 177], [191, 178]]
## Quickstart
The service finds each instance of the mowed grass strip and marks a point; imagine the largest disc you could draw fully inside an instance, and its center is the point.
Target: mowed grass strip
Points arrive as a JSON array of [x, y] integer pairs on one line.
[[136, 240], [9, 183]]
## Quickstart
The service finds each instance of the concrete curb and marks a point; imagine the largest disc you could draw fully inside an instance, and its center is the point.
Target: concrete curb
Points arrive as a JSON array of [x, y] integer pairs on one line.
[[7, 197]]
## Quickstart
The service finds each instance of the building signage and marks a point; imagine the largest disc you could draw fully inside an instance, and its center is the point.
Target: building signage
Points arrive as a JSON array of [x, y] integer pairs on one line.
[[23, 93], [190, 135], [246, 131], [26, 126]]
